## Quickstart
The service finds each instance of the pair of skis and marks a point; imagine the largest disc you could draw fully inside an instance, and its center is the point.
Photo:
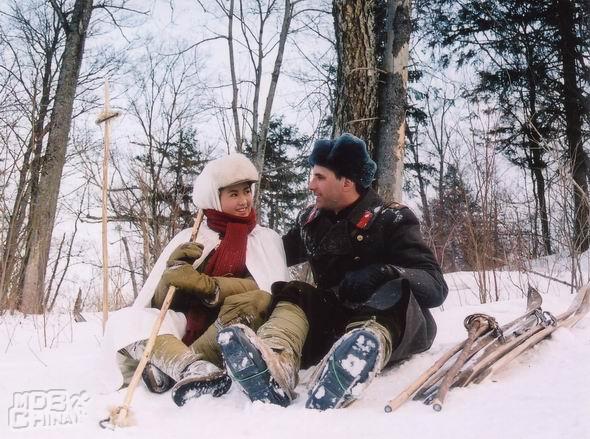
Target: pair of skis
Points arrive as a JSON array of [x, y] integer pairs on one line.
[[488, 348]]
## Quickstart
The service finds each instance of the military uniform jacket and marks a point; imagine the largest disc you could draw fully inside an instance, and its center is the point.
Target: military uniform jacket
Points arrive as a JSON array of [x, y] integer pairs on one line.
[[372, 232]]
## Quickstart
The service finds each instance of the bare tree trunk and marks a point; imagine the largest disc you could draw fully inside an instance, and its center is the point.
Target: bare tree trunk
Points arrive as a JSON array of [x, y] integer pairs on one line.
[[536, 164], [357, 99], [53, 274], [264, 126], [573, 112], [77, 311], [413, 138], [392, 111], [539, 182], [44, 203], [15, 228], [257, 56], [28, 173], [372, 82], [287, 16], [234, 81]]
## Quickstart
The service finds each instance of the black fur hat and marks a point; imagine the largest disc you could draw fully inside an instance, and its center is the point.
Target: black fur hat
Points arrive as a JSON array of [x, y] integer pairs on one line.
[[345, 155]]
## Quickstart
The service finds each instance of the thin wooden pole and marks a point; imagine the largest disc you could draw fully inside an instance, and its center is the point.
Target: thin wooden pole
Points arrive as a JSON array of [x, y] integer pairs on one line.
[[119, 416], [105, 118]]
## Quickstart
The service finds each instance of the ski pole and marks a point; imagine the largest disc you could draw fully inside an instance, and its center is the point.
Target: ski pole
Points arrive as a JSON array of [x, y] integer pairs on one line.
[[119, 415], [425, 384], [396, 402], [105, 118]]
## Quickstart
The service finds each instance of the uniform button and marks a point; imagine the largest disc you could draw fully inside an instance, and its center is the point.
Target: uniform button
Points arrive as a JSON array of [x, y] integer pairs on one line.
[[359, 237], [357, 258]]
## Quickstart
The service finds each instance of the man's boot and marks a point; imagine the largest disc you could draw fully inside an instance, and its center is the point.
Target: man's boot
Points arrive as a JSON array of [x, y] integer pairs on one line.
[[266, 364], [349, 367]]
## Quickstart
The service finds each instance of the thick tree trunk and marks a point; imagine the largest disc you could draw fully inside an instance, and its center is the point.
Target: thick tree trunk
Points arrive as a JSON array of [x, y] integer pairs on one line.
[[28, 176], [357, 99], [392, 109], [573, 116], [44, 203], [372, 40]]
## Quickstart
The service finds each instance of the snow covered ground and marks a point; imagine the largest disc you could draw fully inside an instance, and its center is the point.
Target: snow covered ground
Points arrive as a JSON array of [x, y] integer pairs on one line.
[[50, 391]]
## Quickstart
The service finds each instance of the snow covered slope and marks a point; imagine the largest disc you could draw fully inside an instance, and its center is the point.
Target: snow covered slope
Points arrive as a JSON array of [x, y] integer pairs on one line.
[[49, 391]]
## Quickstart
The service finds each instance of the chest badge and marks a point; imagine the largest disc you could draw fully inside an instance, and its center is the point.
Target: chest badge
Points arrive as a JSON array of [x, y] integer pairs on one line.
[[364, 221]]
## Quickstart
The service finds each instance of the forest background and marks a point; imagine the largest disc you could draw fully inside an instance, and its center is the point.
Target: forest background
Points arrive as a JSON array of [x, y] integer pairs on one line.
[[477, 114]]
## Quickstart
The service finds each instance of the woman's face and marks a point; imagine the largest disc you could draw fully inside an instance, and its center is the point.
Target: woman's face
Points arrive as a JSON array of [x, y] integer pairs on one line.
[[236, 199]]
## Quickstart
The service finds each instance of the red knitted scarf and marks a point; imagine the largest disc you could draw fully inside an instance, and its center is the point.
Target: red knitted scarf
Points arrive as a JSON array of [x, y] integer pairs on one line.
[[230, 256], [228, 259]]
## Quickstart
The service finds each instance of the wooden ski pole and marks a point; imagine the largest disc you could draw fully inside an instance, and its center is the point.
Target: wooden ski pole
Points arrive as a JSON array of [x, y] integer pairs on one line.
[[119, 415], [462, 347], [436, 372], [396, 402], [105, 118]]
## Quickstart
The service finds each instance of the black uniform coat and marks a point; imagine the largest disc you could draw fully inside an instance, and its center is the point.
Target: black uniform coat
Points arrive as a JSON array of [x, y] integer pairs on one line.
[[365, 233]]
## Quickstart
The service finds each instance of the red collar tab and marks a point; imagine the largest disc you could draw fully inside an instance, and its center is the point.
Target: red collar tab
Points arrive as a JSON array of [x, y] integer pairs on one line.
[[365, 219]]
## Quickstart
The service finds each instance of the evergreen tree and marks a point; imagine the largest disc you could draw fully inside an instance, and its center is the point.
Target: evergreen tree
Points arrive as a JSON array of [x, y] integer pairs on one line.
[[466, 233], [531, 71], [158, 200], [451, 215], [175, 166], [283, 184]]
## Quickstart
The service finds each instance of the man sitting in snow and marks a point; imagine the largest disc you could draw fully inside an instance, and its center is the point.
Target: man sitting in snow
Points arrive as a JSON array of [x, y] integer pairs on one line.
[[375, 279]]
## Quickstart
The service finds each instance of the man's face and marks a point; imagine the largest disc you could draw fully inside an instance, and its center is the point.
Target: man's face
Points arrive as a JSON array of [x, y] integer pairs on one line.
[[328, 189]]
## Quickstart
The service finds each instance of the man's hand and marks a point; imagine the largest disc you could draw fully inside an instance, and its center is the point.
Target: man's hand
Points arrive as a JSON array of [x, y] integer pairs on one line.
[[188, 252], [189, 280], [358, 285]]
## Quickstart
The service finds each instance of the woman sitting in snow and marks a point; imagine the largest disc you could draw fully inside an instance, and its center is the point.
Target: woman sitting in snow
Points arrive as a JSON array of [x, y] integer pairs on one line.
[[222, 278]]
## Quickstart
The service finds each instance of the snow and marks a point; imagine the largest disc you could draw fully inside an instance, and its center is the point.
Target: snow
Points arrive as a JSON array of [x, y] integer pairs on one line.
[[543, 393], [353, 365]]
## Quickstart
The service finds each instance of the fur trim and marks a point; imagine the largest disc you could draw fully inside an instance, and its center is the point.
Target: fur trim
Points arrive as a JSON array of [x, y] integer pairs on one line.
[[346, 155]]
